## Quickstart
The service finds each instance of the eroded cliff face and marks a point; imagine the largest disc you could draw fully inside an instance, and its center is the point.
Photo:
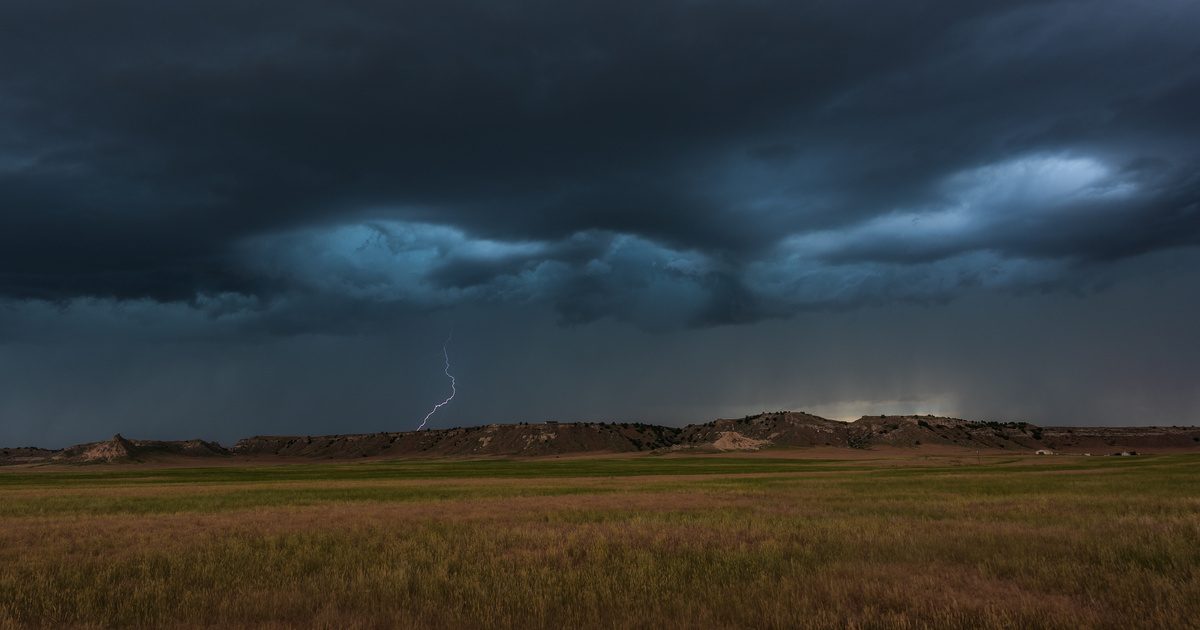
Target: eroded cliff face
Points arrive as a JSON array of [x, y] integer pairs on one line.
[[121, 449]]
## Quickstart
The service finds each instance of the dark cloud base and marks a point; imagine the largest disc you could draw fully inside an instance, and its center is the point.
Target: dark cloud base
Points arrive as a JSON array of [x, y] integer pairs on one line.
[[143, 144], [266, 174]]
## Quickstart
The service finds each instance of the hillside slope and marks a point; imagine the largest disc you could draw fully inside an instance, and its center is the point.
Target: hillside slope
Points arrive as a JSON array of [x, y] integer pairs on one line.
[[552, 438], [120, 449], [781, 429], [798, 429]]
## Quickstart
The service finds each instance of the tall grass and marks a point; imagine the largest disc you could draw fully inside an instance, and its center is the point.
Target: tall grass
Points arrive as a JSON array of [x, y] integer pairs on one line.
[[1065, 543]]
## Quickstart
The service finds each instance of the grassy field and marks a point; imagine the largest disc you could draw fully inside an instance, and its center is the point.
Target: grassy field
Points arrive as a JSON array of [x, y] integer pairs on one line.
[[643, 542]]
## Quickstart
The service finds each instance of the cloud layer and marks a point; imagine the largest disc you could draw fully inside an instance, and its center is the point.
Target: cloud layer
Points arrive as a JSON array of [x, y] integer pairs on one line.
[[240, 216], [677, 164]]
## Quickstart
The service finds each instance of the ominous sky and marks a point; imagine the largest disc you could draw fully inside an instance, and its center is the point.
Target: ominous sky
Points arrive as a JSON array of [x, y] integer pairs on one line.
[[225, 218]]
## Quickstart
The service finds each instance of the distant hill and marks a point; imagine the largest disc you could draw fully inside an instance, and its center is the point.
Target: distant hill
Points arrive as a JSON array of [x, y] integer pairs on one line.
[[781, 429], [551, 438], [798, 429], [120, 449], [784, 428], [1104, 439], [24, 454]]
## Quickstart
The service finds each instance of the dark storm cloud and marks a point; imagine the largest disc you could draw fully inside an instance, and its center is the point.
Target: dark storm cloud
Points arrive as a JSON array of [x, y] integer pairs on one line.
[[673, 163]]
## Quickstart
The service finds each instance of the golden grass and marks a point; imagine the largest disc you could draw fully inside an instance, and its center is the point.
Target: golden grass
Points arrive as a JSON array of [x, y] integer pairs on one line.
[[1104, 543]]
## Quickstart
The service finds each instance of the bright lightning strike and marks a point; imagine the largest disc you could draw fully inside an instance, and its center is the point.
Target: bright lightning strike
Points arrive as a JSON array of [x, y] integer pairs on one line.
[[453, 391]]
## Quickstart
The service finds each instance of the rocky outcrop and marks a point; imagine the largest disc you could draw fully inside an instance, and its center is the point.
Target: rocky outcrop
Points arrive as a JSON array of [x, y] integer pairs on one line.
[[120, 449]]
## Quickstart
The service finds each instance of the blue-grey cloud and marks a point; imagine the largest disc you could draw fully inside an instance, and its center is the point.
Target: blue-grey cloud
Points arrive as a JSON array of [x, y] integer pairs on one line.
[[675, 164]]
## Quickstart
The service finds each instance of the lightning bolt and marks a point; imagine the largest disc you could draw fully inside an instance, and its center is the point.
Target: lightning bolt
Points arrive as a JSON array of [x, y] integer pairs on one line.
[[453, 390]]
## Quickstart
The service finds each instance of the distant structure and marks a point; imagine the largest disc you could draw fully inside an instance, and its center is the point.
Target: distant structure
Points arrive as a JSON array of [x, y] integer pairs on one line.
[[1042, 451]]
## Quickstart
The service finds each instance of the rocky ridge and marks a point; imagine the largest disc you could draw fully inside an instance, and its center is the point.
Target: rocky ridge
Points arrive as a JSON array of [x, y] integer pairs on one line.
[[780, 429]]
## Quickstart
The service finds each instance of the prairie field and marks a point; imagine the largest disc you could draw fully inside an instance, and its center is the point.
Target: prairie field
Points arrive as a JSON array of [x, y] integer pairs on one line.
[[887, 541]]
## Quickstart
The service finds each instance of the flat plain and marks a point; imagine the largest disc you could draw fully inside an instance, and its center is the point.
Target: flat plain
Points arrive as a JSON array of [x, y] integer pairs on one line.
[[778, 540]]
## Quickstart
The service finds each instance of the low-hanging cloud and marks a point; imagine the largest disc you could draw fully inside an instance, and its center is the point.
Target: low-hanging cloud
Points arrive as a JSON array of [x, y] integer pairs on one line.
[[1019, 224]]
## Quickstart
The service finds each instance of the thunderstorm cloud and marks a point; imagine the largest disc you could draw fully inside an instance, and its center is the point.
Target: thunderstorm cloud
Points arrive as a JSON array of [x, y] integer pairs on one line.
[[201, 198]]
